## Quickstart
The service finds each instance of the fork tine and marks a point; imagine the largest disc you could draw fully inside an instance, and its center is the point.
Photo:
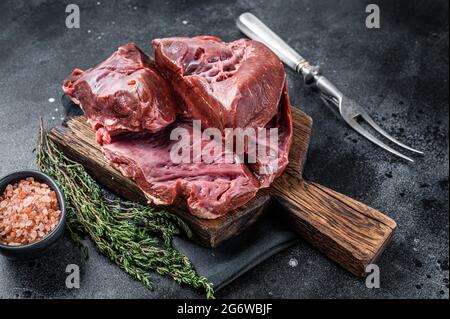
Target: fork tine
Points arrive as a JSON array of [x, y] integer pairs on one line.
[[330, 104], [375, 126], [355, 125]]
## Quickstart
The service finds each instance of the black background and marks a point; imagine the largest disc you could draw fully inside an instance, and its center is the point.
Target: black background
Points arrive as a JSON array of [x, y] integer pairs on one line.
[[399, 73]]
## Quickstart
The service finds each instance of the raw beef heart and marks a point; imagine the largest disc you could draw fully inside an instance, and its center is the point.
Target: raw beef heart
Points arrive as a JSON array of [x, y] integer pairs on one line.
[[124, 93], [226, 85], [208, 190], [236, 84]]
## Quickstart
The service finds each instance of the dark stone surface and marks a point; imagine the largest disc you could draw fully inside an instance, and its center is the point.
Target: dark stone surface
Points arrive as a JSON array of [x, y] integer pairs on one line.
[[398, 72]]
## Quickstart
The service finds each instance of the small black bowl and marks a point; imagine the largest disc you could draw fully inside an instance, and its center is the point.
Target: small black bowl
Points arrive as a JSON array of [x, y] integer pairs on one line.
[[36, 249]]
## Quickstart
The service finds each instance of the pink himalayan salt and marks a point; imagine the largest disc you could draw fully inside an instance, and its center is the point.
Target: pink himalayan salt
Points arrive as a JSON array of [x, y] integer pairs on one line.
[[29, 211]]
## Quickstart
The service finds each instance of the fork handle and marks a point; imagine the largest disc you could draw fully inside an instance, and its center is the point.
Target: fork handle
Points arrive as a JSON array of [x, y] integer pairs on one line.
[[347, 231], [255, 29]]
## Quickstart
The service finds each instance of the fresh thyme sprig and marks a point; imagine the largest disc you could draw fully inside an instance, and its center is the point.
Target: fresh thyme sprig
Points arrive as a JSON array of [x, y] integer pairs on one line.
[[136, 237]]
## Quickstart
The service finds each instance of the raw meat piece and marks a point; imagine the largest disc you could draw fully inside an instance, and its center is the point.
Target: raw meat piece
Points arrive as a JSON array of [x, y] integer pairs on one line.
[[236, 84], [124, 93], [208, 190]]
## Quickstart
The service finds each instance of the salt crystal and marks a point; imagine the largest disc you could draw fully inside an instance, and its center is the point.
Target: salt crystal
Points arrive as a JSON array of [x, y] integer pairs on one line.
[[46, 199], [293, 262], [28, 201]]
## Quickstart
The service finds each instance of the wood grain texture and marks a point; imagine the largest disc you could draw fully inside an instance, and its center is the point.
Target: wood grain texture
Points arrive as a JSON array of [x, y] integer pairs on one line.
[[347, 231]]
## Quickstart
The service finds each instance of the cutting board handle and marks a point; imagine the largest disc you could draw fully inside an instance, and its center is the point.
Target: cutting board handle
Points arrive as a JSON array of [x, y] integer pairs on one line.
[[347, 231]]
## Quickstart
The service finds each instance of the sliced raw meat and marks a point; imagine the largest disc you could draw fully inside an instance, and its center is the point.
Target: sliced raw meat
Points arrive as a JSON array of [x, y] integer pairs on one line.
[[236, 84], [124, 93], [208, 190]]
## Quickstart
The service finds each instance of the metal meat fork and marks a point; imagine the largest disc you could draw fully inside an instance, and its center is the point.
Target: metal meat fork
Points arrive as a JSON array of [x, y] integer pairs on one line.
[[348, 108]]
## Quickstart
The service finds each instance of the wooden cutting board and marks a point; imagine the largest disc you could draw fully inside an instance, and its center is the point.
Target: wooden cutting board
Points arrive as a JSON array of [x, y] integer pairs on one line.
[[347, 231]]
